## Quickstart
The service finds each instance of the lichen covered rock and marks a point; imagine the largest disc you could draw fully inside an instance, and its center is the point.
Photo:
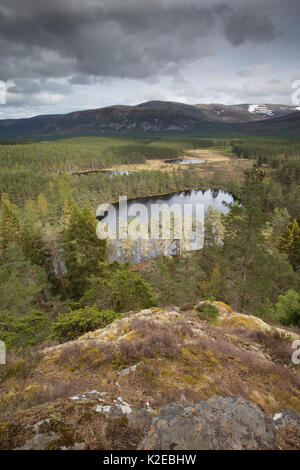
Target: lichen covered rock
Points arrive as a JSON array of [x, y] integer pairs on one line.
[[219, 423]]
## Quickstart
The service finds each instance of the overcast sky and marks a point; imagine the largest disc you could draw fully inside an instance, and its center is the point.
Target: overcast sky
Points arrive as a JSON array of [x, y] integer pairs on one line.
[[58, 56]]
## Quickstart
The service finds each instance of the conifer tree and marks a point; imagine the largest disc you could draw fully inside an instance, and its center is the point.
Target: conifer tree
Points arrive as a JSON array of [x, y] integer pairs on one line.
[[35, 249], [50, 237], [83, 250], [68, 207], [27, 237], [254, 268], [289, 242], [42, 206], [10, 227], [213, 229]]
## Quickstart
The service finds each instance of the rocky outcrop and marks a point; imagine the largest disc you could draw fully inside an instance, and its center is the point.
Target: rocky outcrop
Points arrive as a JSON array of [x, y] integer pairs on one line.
[[155, 379], [120, 330], [219, 423], [227, 318], [53, 434]]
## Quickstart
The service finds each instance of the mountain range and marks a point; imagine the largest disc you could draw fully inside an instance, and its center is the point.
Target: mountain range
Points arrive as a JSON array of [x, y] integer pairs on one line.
[[160, 117]]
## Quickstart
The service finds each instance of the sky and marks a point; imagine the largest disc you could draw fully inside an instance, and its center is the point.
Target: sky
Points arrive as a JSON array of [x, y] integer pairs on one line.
[[59, 56]]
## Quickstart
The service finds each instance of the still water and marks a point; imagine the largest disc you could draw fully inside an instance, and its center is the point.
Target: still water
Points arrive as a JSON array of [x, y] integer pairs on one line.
[[138, 250], [185, 161]]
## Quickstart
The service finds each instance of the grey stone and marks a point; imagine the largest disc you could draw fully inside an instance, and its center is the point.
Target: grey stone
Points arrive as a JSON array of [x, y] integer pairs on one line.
[[38, 442], [140, 418], [287, 417], [287, 427], [129, 369], [219, 423], [76, 446]]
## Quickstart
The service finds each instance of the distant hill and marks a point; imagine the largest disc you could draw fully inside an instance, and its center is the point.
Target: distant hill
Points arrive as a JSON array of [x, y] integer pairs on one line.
[[156, 117], [285, 125], [244, 112]]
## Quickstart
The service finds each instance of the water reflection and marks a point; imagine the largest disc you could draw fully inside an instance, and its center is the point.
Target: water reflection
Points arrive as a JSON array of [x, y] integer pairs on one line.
[[186, 161], [137, 250]]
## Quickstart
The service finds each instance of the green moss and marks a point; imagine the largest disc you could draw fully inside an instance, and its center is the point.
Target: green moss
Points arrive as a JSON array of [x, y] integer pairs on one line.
[[66, 432]]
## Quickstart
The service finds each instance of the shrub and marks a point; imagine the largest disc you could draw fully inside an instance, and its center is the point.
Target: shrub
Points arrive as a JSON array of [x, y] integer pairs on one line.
[[275, 344], [155, 339], [120, 289], [91, 356], [187, 306], [161, 342], [78, 322], [12, 435], [266, 311], [24, 331], [287, 309], [207, 312]]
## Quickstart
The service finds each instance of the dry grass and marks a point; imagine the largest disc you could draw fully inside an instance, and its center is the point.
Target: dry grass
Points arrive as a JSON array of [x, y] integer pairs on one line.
[[157, 339], [218, 168], [100, 433], [77, 356], [53, 389], [274, 344], [157, 342]]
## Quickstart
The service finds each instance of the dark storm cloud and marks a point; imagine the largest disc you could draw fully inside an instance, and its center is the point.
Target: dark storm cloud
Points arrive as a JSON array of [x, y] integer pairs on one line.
[[127, 38], [247, 25], [60, 55], [113, 39]]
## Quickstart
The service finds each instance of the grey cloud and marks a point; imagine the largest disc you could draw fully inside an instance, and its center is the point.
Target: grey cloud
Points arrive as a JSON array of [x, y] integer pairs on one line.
[[23, 86], [90, 41], [249, 25], [125, 38]]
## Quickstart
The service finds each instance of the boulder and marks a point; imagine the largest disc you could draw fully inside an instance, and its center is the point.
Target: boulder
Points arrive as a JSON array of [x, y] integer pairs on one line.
[[287, 425], [227, 423]]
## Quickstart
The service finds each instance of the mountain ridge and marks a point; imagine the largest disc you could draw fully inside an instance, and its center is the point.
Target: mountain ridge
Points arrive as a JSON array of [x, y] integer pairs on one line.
[[154, 117]]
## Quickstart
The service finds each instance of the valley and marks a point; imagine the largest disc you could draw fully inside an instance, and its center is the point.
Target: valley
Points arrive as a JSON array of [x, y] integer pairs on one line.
[[149, 230], [107, 338]]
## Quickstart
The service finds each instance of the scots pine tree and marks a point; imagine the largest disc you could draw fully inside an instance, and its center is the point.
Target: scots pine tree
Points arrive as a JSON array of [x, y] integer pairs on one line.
[[83, 250], [254, 267], [10, 227], [289, 242]]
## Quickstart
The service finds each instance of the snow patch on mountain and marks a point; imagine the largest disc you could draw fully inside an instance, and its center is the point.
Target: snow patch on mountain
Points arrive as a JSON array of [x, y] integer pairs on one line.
[[260, 109]]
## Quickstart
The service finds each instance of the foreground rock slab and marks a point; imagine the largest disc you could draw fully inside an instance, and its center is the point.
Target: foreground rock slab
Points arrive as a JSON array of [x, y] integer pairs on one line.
[[226, 423]]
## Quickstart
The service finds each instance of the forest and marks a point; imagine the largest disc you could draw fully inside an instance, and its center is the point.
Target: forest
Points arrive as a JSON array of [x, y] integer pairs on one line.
[[56, 282]]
